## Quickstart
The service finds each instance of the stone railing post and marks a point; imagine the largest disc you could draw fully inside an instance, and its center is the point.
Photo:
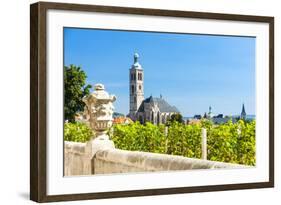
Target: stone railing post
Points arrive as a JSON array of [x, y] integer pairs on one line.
[[166, 141], [204, 144], [99, 110]]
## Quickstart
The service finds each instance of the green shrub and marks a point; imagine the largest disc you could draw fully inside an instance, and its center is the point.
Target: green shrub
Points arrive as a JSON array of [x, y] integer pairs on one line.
[[184, 140], [135, 136], [225, 143], [77, 132]]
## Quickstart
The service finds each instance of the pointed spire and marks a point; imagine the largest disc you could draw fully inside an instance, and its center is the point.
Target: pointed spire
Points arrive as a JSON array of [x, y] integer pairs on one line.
[[243, 113]]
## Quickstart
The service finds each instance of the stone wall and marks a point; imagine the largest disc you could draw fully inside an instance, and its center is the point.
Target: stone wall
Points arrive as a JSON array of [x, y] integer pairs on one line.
[[111, 160], [76, 159], [121, 161]]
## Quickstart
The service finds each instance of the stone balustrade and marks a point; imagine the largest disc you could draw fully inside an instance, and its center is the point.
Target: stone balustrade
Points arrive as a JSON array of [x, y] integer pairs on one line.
[[109, 160], [76, 159]]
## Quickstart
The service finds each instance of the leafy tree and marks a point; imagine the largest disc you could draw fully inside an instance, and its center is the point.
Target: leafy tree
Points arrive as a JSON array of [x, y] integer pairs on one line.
[[75, 89], [175, 118]]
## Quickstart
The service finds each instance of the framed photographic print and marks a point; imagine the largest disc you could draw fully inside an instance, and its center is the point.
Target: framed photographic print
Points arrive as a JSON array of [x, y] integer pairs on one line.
[[134, 102]]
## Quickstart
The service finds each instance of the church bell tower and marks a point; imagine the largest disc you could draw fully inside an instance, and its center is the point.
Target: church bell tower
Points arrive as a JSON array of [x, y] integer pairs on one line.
[[136, 87]]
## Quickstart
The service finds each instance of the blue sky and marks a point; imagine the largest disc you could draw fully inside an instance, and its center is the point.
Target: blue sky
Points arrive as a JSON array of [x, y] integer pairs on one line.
[[191, 72]]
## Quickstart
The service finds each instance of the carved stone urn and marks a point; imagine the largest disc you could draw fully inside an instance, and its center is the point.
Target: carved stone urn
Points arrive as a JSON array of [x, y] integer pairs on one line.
[[99, 109]]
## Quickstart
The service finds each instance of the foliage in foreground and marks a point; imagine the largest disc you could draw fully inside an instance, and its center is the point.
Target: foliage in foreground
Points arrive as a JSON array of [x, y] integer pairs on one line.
[[75, 89], [230, 142], [77, 132]]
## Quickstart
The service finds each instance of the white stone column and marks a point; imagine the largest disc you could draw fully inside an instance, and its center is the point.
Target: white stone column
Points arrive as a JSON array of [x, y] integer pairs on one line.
[[166, 140], [204, 144]]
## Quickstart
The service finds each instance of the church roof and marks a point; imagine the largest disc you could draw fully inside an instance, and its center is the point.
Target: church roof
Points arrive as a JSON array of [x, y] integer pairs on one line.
[[162, 104]]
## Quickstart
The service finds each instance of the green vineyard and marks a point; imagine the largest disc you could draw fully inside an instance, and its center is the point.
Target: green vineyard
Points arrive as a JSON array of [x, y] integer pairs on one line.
[[229, 142]]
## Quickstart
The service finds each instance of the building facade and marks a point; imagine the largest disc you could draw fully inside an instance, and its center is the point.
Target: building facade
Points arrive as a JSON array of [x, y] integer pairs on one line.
[[151, 109]]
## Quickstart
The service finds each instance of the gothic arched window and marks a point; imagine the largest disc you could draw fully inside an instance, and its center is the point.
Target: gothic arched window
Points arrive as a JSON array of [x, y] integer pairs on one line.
[[132, 89], [163, 119], [140, 76], [158, 118], [139, 87]]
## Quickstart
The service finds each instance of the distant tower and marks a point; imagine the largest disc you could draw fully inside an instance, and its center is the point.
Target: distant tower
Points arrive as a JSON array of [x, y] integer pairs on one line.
[[136, 87], [210, 114], [243, 113]]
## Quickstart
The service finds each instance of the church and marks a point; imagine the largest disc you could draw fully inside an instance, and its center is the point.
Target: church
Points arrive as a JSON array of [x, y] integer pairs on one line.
[[152, 109]]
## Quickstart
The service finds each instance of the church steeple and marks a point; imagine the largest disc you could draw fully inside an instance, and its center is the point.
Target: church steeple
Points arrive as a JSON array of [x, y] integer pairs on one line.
[[243, 113], [136, 87], [210, 114]]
